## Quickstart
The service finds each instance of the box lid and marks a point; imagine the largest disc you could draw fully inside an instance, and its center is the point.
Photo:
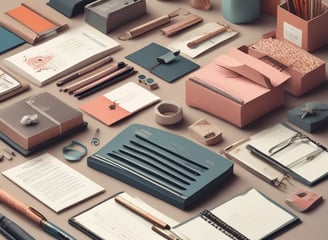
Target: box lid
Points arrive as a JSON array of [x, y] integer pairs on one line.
[[241, 75]]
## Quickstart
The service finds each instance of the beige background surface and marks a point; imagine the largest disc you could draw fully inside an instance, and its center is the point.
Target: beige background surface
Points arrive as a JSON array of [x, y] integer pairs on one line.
[[313, 225]]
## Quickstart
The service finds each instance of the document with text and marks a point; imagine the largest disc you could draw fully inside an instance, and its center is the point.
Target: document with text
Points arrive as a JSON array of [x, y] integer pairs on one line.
[[52, 182]]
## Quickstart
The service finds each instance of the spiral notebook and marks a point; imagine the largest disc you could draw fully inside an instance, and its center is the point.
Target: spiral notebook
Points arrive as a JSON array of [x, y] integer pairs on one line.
[[250, 215]]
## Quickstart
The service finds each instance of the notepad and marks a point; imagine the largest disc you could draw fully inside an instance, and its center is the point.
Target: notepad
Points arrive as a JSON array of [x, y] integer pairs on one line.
[[250, 215], [163, 164], [110, 220], [291, 152]]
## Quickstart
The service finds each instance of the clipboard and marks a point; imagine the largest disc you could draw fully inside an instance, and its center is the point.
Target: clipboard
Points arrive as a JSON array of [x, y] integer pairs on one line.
[[238, 153], [291, 152]]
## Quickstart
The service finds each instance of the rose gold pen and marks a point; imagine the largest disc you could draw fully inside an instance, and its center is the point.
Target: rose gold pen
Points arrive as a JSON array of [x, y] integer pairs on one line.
[[207, 36], [101, 80], [146, 215], [71, 88], [35, 216], [84, 70]]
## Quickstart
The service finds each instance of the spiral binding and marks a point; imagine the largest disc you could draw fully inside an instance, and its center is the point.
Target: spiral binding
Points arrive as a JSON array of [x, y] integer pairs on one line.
[[211, 218]]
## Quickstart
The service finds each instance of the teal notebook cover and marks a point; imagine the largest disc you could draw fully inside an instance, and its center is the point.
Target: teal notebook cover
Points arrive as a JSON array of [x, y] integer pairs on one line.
[[146, 57], [8, 40], [69, 8], [166, 165]]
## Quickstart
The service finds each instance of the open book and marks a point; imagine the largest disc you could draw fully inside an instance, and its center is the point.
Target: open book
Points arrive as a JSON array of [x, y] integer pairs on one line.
[[250, 215], [61, 55]]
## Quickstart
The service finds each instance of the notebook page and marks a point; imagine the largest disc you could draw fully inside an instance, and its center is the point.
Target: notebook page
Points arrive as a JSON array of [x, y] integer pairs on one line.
[[253, 215], [199, 229], [112, 221]]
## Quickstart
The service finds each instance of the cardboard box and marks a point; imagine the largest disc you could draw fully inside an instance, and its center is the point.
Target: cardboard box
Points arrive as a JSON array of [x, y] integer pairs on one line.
[[236, 87], [307, 34], [301, 81], [270, 6], [106, 15]]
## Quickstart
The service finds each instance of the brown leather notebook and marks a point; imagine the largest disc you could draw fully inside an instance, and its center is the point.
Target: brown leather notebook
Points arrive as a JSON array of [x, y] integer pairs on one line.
[[55, 118]]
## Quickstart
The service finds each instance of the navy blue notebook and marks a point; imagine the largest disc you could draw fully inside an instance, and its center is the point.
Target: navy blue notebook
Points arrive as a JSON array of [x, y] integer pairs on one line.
[[8, 40], [147, 56]]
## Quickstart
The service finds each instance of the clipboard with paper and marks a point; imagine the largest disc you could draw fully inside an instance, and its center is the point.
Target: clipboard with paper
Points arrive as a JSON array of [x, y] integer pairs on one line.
[[238, 153], [292, 152]]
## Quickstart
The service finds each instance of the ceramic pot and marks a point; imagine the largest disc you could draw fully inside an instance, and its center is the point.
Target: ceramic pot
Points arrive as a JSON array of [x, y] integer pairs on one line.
[[241, 11]]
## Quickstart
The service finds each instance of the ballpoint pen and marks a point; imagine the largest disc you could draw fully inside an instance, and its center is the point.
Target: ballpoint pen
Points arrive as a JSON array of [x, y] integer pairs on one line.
[[13, 231], [146, 215], [165, 233], [34, 216]]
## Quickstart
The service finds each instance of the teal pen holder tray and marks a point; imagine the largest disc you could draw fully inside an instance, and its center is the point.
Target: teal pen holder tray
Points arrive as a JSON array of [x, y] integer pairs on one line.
[[163, 164]]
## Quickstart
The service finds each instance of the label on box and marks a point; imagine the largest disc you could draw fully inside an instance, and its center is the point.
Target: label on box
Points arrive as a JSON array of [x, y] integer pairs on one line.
[[293, 34]]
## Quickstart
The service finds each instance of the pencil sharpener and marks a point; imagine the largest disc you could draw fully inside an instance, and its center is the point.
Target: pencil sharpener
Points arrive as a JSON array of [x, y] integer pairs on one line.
[[205, 132]]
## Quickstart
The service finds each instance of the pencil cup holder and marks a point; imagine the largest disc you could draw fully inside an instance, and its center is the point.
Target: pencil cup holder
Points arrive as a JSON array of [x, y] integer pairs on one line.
[[240, 11]]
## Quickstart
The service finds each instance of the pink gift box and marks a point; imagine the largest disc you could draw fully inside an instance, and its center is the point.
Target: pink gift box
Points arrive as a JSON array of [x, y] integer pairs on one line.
[[236, 87]]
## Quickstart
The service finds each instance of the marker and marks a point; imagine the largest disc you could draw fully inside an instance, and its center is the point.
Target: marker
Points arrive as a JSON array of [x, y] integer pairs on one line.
[[34, 216]]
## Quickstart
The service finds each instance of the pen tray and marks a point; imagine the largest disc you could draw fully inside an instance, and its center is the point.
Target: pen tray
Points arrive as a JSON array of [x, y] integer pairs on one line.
[[162, 164]]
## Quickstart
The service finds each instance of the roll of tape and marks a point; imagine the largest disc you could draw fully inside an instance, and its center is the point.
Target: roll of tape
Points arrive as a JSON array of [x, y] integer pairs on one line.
[[168, 113]]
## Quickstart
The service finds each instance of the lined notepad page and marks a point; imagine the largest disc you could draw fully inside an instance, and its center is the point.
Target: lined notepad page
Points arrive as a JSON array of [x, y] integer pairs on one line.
[[251, 214], [112, 221]]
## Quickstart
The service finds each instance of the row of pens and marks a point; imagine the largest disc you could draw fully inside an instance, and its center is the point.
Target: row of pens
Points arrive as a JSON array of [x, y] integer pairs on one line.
[[90, 79]]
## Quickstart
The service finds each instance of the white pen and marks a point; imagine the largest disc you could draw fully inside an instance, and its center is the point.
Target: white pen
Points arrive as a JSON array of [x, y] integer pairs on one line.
[[306, 158]]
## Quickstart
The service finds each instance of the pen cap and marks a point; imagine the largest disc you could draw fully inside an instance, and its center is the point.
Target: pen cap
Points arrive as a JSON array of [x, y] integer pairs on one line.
[[240, 11]]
